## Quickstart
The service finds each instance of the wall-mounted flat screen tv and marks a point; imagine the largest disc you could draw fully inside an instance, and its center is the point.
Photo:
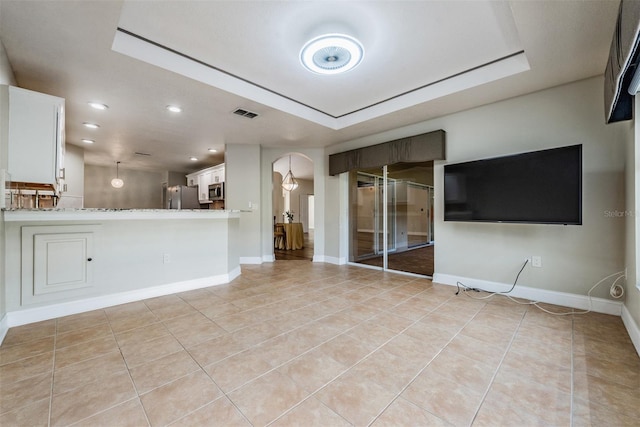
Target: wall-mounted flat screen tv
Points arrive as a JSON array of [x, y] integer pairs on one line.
[[541, 187]]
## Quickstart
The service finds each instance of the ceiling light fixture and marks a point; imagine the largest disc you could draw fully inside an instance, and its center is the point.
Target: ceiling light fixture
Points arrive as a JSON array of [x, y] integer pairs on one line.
[[88, 141], [331, 54], [117, 182], [174, 108], [98, 106], [289, 183], [91, 125], [212, 150], [193, 159]]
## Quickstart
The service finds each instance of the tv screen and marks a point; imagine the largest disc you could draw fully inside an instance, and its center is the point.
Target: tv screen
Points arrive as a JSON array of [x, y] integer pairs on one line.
[[542, 187]]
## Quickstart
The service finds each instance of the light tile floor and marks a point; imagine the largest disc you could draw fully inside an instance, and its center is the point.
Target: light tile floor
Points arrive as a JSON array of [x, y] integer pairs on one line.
[[301, 343]]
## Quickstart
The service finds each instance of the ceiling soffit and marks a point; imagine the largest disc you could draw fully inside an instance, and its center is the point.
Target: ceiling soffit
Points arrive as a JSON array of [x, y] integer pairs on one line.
[[217, 44]]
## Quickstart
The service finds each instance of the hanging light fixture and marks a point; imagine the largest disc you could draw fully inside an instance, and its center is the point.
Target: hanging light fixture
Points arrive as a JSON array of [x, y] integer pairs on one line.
[[117, 182], [289, 182]]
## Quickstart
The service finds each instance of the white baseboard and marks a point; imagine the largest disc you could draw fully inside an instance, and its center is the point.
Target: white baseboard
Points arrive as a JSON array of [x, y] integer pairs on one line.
[[52, 311], [632, 328], [329, 259], [250, 260], [268, 258], [599, 305], [4, 328]]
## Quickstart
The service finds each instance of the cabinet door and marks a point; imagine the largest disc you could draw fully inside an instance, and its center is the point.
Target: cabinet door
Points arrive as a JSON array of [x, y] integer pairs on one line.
[[36, 131], [62, 262], [204, 180], [58, 261]]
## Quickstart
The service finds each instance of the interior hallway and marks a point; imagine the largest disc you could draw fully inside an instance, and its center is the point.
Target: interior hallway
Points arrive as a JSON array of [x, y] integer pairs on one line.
[[301, 343]]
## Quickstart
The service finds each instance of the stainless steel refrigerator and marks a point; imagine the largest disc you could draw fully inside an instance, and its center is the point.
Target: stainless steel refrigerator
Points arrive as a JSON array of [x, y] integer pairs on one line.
[[182, 197]]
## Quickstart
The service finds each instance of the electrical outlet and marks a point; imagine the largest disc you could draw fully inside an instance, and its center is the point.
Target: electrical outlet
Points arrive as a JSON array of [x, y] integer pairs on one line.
[[166, 259], [536, 261]]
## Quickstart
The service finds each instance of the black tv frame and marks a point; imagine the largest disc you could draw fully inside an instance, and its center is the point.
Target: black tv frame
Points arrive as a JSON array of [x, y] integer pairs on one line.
[[517, 188]]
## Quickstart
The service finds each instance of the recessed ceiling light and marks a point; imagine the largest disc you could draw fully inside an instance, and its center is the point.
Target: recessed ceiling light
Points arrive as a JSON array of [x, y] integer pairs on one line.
[[193, 159], [213, 150], [88, 141], [98, 106], [91, 125], [174, 108], [331, 54]]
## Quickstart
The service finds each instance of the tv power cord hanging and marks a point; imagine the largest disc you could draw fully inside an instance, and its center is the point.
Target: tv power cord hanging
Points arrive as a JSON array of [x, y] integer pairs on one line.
[[615, 290]]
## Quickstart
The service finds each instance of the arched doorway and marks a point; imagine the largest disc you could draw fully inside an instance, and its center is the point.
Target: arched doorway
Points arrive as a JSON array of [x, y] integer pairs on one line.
[[293, 233]]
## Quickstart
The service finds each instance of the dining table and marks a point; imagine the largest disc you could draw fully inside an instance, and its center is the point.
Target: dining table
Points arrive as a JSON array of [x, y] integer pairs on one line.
[[293, 236]]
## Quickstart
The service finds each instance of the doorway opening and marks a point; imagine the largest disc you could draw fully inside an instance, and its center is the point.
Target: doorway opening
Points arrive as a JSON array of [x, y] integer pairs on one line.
[[391, 218], [293, 219]]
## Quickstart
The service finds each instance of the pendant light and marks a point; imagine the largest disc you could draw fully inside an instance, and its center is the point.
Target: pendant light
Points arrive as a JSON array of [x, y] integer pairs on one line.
[[117, 182], [289, 182]]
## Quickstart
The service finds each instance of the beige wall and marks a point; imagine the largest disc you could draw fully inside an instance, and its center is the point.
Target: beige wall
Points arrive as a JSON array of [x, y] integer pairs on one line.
[[277, 205], [632, 217], [573, 257], [242, 188], [142, 189]]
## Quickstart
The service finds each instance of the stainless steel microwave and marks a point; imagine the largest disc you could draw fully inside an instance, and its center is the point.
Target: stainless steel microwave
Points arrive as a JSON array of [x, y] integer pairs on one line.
[[216, 191]]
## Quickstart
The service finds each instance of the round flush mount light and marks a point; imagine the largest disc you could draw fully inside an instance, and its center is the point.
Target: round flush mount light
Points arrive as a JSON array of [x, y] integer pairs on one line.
[[98, 106], [174, 108], [193, 159], [88, 141], [212, 150], [331, 54], [91, 125]]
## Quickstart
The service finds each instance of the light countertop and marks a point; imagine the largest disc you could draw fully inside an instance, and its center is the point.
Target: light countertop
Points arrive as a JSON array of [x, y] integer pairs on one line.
[[93, 214]]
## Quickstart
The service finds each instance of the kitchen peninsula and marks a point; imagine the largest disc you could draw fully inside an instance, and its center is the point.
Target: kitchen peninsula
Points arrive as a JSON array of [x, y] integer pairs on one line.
[[65, 261]]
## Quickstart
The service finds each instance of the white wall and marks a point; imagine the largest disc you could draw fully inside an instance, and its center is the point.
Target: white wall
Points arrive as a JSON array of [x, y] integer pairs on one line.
[[6, 72], [73, 197], [242, 188], [298, 196], [141, 190], [6, 78], [573, 257]]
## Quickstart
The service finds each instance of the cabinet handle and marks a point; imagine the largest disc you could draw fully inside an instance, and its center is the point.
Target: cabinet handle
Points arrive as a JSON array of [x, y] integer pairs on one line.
[[89, 259]]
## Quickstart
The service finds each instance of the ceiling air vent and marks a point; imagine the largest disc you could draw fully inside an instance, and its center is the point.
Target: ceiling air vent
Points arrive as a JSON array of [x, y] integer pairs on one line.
[[245, 113], [138, 153]]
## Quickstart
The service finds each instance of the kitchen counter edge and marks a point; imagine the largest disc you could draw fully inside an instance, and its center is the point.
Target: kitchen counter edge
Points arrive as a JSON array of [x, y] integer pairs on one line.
[[23, 215]]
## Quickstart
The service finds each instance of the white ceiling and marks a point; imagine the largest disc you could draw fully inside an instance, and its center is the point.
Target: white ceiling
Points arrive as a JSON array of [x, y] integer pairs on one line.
[[423, 59]]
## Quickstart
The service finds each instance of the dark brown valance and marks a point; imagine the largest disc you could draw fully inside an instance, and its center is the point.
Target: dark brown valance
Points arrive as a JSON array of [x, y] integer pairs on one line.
[[414, 149], [624, 57]]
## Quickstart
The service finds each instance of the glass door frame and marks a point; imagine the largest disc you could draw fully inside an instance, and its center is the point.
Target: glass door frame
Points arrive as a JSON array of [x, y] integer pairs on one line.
[[381, 184]]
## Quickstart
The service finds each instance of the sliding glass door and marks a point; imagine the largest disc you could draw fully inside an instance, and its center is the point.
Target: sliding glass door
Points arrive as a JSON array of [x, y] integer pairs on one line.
[[369, 217], [406, 202]]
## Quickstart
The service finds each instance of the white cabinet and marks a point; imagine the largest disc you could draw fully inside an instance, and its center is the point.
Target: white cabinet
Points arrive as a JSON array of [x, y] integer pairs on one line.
[[204, 178], [192, 179], [34, 136], [57, 261]]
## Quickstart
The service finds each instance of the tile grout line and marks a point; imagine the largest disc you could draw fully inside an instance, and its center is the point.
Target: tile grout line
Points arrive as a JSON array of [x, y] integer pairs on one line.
[[493, 377], [344, 332], [363, 358], [571, 405], [398, 396], [53, 370]]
